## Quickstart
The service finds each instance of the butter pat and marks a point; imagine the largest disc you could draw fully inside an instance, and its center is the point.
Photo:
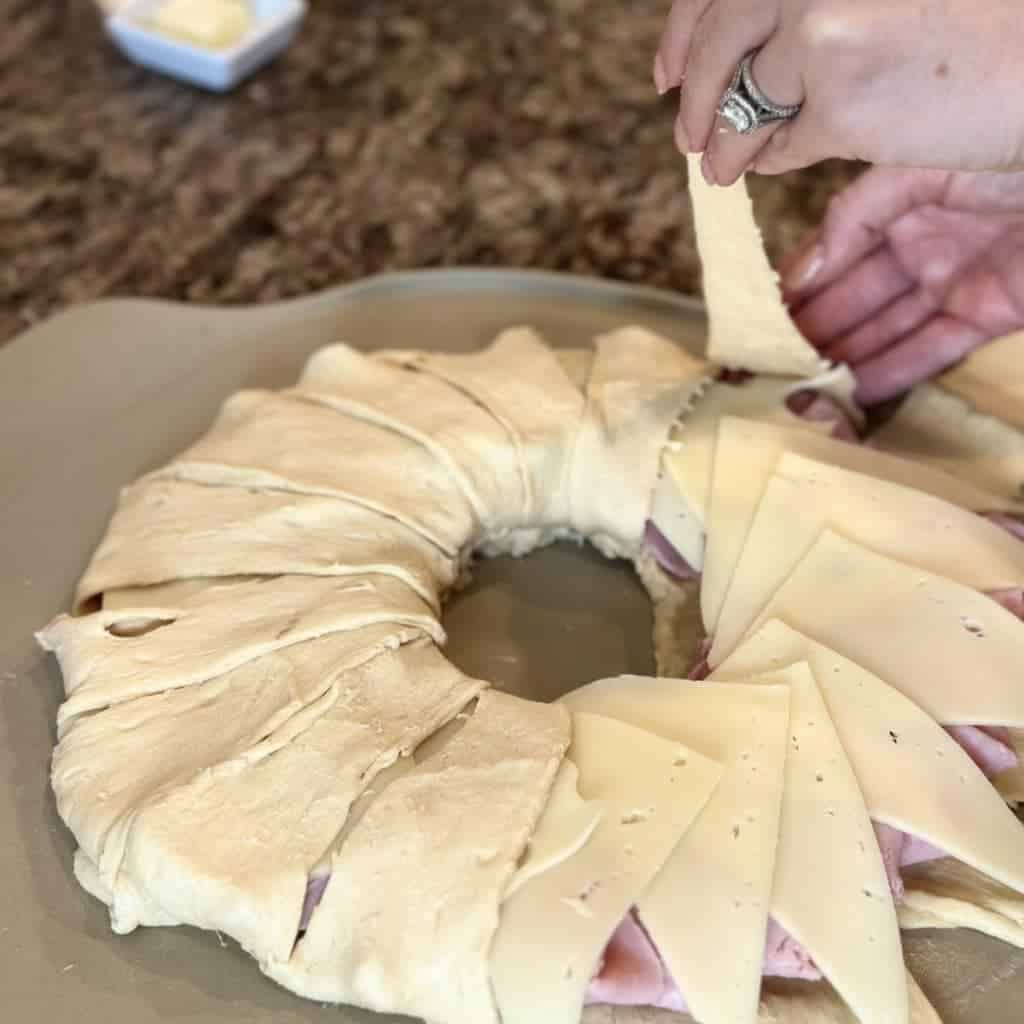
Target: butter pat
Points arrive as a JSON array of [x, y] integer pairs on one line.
[[214, 24]]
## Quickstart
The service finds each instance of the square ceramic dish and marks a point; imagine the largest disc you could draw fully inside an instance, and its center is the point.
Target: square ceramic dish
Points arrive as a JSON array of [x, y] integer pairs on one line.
[[274, 24], [99, 395]]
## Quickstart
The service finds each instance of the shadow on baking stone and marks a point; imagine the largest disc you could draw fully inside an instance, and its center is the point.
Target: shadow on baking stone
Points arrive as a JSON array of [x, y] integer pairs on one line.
[[543, 625]]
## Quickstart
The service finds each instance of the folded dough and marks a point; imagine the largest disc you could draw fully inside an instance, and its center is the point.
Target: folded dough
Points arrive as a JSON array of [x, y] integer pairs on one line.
[[270, 441], [166, 529], [108, 765], [407, 920], [520, 380], [233, 847], [460, 432], [639, 384], [104, 662]]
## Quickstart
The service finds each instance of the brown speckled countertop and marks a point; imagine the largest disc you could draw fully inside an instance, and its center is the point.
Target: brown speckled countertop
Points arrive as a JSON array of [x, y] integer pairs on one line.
[[392, 134]]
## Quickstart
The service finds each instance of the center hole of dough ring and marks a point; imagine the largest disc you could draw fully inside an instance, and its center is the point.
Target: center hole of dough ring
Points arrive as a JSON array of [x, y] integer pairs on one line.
[[542, 626]]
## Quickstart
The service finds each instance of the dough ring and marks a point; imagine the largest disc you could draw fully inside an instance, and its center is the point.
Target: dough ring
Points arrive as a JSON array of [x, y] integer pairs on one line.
[[258, 638]]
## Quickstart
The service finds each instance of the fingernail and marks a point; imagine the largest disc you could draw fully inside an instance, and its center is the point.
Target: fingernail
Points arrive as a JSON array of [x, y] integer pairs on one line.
[[707, 170], [661, 82], [805, 269], [679, 132]]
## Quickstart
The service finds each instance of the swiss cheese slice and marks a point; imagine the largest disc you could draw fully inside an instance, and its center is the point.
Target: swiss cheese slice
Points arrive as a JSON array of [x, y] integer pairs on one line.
[[165, 530], [408, 918], [913, 774], [941, 430], [953, 651], [555, 927], [750, 328], [639, 384], [459, 431], [991, 379], [520, 381], [567, 823], [745, 456], [270, 441], [216, 630], [713, 893], [802, 497], [830, 889], [680, 500]]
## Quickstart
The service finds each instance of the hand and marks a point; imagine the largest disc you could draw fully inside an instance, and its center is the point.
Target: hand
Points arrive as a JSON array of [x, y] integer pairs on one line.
[[910, 271], [913, 83]]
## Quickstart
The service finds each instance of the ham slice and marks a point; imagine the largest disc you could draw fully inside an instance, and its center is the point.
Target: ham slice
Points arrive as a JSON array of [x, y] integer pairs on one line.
[[632, 972], [816, 407], [1010, 523], [666, 555], [989, 746]]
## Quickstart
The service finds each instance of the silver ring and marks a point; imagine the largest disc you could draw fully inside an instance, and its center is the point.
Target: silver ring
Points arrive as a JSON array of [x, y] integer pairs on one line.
[[745, 107]]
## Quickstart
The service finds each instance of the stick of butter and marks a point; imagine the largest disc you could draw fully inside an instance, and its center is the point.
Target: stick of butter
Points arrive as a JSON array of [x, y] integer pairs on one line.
[[214, 24]]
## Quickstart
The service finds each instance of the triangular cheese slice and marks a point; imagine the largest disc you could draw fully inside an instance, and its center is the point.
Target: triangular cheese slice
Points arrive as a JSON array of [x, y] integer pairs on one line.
[[565, 826], [216, 630], [268, 441], [991, 379], [830, 889], [750, 326], [231, 849], [408, 918], [941, 430], [166, 530], [520, 381], [913, 774], [714, 891], [554, 929], [953, 651], [680, 500], [803, 497], [460, 432], [745, 456], [639, 385]]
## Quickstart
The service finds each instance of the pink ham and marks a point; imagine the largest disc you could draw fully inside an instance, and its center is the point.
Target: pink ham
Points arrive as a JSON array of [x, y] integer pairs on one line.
[[1012, 524], [1012, 599], [818, 408], [701, 669], [989, 746], [632, 972], [666, 555], [314, 894]]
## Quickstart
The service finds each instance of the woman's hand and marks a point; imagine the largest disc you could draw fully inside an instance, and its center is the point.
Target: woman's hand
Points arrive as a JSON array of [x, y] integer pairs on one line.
[[918, 83], [910, 271]]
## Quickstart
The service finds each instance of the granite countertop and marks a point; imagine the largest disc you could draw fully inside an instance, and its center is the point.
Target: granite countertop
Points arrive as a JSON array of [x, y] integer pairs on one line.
[[397, 134]]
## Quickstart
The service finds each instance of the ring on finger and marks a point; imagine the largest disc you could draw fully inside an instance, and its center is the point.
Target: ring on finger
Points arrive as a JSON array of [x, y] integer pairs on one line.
[[744, 106]]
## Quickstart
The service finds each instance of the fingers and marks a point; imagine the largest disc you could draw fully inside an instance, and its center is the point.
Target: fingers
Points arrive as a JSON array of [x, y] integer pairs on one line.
[[856, 220], [863, 293], [725, 33], [942, 342], [900, 318], [670, 61], [774, 72]]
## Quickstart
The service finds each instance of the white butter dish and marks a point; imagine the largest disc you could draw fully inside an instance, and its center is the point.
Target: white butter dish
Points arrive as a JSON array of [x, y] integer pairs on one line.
[[272, 27]]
